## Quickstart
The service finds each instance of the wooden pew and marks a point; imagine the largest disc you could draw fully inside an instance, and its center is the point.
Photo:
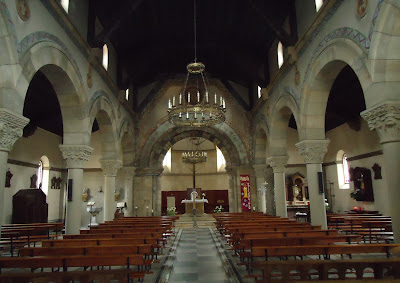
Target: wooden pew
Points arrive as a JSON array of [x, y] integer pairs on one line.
[[323, 250], [67, 262], [285, 271]]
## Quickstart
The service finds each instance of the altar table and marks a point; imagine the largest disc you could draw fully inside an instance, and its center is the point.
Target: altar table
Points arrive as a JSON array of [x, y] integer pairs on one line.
[[199, 206]]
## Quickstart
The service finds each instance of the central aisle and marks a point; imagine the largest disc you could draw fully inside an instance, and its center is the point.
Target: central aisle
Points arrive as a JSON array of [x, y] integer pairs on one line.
[[197, 258]]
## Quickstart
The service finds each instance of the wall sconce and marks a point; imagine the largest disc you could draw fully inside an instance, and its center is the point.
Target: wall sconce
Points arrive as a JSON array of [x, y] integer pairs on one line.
[[136, 209], [101, 189], [116, 194]]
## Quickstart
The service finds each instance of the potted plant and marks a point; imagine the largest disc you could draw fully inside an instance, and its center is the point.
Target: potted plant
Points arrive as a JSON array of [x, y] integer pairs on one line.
[[171, 211], [218, 209]]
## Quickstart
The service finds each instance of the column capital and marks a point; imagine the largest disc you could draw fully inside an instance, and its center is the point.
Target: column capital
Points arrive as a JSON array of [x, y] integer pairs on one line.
[[278, 163], [260, 170], [313, 151], [11, 128], [75, 155], [110, 167], [385, 119], [128, 172]]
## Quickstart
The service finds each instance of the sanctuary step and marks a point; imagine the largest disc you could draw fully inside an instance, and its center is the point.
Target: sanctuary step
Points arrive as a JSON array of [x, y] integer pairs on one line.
[[203, 220]]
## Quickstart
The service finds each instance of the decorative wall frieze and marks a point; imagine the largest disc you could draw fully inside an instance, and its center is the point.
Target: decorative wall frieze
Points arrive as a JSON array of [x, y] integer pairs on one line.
[[313, 151], [11, 128], [385, 119], [110, 167], [278, 163], [76, 155], [128, 172]]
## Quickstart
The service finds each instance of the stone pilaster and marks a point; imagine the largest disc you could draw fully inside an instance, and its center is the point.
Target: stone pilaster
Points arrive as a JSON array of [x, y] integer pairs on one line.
[[11, 128], [110, 169], [385, 119], [128, 173], [75, 156], [313, 152], [233, 190], [147, 195], [278, 164]]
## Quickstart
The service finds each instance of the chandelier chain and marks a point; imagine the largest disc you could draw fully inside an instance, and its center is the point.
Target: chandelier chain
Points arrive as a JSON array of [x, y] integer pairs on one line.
[[195, 30]]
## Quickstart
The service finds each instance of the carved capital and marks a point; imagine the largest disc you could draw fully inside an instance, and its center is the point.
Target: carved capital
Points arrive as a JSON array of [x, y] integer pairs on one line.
[[11, 128], [313, 151], [278, 163], [128, 172], [75, 155], [260, 170], [110, 167], [385, 119]]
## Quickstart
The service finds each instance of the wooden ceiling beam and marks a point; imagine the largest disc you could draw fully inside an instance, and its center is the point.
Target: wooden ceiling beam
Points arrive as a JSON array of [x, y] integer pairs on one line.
[[270, 20], [97, 41]]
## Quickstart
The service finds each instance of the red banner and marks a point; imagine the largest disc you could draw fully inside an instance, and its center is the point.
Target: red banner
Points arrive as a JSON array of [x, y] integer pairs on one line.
[[245, 192]]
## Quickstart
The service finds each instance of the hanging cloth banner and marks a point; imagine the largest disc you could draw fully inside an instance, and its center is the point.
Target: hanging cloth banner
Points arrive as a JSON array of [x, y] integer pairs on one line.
[[245, 192]]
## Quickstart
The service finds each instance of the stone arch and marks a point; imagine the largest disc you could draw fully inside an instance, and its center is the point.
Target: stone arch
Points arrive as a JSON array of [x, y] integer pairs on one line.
[[319, 80], [102, 110], [9, 59], [283, 109], [384, 56], [154, 151], [260, 140], [65, 79], [126, 139]]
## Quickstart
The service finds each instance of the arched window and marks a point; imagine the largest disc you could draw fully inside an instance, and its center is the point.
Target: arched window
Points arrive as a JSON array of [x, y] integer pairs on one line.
[[167, 160], [127, 94], [65, 5], [259, 91], [105, 56], [280, 54], [318, 4], [342, 168], [221, 162], [39, 174], [346, 171]]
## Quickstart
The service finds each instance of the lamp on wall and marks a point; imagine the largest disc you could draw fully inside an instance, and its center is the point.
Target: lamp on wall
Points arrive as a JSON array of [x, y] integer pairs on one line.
[[195, 106]]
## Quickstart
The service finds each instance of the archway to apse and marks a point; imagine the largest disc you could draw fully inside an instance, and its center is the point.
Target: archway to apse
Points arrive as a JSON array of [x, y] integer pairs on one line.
[[284, 135], [213, 181], [105, 156]]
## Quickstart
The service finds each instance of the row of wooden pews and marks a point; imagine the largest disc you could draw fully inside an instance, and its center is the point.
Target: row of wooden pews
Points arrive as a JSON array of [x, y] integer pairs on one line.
[[372, 227], [19, 235], [259, 240], [127, 244]]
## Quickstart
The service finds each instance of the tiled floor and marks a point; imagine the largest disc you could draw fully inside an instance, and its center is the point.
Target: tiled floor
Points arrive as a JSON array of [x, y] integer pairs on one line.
[[197, 259]]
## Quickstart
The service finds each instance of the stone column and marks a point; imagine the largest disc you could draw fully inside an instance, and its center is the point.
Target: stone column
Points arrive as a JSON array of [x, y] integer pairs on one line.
[[385, 119], [233, 189], [11, 127], [128, 174], [278, 164], [270, 196], [313, 152], [76, 156], [260, 171], [110, 169]]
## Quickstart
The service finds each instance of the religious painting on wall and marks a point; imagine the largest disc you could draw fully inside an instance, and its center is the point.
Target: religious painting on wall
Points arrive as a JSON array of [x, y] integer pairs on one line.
[[245, 192]]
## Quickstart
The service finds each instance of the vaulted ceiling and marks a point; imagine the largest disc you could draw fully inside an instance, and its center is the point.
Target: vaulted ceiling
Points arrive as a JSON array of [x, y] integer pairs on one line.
[[156, 37]]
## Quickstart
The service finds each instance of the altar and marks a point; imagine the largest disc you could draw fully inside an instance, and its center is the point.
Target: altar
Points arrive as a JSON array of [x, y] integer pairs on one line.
[[199, 206]]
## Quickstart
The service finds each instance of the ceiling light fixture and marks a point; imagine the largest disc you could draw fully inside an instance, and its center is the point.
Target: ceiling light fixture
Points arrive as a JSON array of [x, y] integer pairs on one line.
[[195, 106]]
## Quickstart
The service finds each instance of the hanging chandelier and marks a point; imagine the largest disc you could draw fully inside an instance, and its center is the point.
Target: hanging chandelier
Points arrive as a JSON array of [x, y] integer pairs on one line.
[[194, 106]]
